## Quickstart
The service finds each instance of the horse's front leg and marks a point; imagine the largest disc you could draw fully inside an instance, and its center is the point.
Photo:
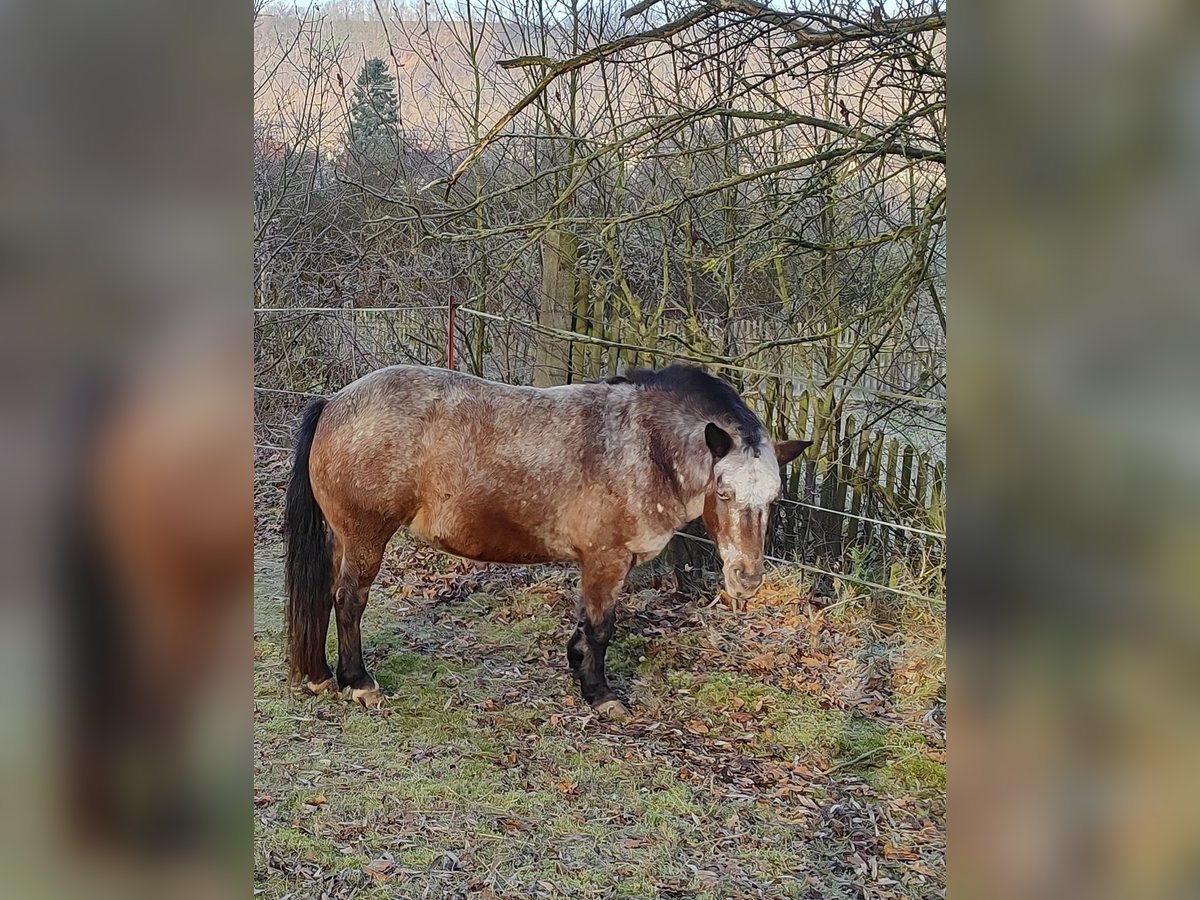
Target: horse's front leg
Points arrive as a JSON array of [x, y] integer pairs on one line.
[[600, 583]]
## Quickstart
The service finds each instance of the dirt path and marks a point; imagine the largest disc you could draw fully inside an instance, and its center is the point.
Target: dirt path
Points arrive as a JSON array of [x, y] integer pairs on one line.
[[775, 753]]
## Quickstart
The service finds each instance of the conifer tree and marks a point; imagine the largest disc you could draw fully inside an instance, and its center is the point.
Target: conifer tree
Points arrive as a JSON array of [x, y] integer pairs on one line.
[[374, 109]]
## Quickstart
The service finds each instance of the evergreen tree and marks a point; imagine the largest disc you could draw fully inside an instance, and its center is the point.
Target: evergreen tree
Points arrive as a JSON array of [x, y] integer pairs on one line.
[[374, 109]]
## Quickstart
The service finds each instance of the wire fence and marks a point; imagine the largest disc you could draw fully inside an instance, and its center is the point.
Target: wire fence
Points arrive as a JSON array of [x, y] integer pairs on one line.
[[703, 359], [817, 570], [865, 507]]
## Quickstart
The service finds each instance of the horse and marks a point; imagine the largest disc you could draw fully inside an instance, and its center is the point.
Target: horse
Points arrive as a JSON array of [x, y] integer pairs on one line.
[[601, 474]]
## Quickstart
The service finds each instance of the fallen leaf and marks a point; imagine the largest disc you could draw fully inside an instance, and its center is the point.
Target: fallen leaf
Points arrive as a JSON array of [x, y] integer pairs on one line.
[[318, 800], [380, 868], [764, 662], [890, 852]]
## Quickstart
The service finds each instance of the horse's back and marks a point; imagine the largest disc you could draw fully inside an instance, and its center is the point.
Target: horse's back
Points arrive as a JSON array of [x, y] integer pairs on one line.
[[413, 441]]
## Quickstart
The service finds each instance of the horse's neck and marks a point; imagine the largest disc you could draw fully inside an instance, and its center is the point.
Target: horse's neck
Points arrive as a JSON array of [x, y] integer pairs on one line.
[[689, 463]]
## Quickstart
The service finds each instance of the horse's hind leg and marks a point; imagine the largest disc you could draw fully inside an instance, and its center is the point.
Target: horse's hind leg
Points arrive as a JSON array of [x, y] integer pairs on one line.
[[359, 566], [600, 583]]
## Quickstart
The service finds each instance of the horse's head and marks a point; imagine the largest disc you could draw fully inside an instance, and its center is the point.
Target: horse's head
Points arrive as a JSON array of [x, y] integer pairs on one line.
[[737, 506]]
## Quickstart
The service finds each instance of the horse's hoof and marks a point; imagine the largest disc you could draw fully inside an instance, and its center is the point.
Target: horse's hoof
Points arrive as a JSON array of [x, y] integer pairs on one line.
[[320, 687], [371, 697], [613, 709]]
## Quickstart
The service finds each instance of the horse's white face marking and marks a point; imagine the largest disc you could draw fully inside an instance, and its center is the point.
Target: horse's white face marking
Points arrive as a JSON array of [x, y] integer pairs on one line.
[[748, 480]]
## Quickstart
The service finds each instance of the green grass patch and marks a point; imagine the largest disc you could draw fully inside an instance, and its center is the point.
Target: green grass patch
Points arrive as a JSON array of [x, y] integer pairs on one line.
[[890, 757], [522, 633], [475, 758], [629, 655]]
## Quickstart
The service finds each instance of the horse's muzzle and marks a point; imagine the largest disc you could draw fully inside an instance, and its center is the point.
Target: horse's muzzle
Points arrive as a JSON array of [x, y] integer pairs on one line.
[[741, 584]]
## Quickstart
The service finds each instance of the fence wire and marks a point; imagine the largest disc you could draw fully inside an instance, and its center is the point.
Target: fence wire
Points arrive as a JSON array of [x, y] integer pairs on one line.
[[791, 563], [715, 361]]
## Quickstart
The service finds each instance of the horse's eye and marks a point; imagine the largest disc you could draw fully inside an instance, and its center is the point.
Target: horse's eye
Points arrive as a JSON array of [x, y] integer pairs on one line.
[[724, 495]]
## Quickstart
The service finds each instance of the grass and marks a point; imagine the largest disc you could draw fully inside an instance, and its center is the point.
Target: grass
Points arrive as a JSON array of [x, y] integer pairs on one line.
[[746, 771]]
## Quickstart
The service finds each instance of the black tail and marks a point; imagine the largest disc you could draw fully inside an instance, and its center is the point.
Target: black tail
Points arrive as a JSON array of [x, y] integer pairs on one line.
[[309, 573]]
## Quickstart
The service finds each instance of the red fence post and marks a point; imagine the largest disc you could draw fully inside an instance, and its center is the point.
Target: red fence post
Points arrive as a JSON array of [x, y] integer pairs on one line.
[[450, 336]]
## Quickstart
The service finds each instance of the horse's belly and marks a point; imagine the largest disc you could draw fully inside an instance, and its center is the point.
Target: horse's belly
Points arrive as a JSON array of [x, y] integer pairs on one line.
[[492, 548], [493, 538], [649, 547]]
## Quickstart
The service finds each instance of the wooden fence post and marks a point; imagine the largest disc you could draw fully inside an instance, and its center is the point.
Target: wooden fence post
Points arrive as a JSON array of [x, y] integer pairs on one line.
[[922, 480], [906, 476], [937, 504], [552, 361]]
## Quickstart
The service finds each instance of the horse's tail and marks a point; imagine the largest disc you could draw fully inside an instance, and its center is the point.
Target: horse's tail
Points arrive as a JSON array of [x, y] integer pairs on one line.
[[309, 571]]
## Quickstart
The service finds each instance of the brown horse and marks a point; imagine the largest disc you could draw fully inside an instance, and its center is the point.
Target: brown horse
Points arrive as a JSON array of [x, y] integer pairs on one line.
[[599, 474]]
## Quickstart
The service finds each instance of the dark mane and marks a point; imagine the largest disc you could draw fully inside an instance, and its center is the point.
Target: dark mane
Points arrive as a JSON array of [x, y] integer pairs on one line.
[[712, 396]]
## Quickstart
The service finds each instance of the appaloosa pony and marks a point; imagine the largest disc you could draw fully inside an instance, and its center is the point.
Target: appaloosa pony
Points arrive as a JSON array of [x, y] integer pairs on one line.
[[600, 474]]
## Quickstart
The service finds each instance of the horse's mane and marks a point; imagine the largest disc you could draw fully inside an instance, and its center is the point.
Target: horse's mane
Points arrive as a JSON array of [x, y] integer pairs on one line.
[[712, 396]]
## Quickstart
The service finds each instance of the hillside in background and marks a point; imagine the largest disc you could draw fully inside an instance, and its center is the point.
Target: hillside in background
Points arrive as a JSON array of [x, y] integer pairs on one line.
[[431, 62]]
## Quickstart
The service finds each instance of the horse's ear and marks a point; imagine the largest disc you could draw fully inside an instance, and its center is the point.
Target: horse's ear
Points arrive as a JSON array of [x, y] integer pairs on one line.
[[786, 451], [718, 440]]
